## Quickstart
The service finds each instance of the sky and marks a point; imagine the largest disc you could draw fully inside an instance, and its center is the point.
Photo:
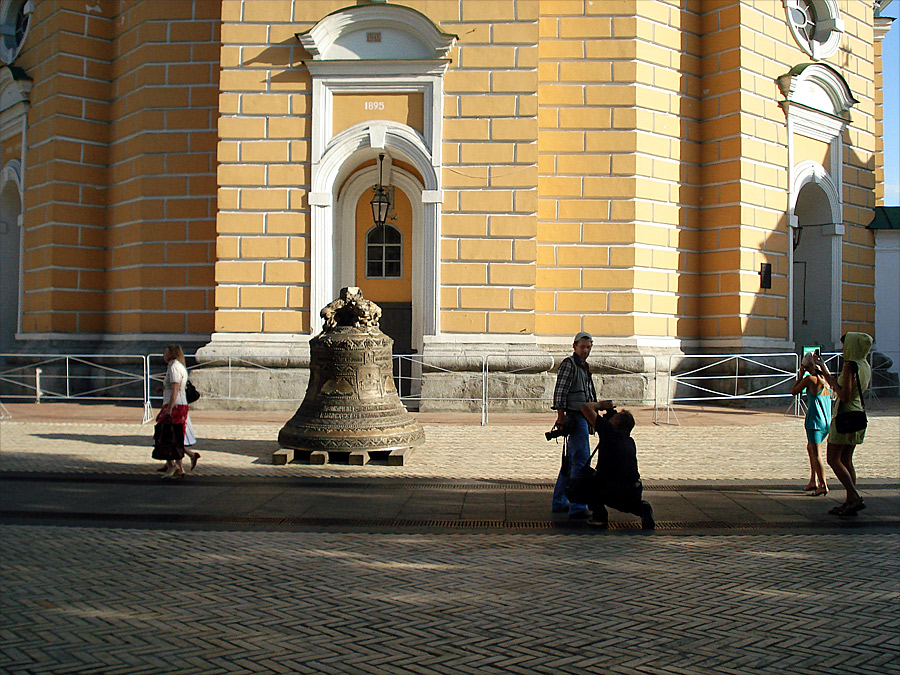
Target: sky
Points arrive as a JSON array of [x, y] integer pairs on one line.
[[891, 56]]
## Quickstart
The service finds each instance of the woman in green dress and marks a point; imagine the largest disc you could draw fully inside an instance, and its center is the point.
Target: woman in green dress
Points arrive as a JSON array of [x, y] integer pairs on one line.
[[849, 398]]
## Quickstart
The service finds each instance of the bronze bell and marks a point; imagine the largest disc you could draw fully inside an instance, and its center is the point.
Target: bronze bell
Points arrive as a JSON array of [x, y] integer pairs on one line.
[[351, 402]]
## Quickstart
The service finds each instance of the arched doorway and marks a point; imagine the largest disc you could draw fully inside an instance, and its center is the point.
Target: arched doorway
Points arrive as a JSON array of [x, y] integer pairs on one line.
[[816, 267], [387, 263]]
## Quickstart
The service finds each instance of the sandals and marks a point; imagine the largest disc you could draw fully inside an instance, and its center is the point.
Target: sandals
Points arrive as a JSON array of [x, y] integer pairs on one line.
[[855, 507], [820, 492], [194, 459], [848, 508]]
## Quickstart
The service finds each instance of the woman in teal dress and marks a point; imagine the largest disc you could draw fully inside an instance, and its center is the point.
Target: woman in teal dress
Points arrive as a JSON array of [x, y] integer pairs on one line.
[[849, 398], [818, 419]]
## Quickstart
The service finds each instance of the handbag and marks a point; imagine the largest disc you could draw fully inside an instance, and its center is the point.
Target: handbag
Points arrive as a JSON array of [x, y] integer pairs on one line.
[[190, 392], [168, 441], [851, 421]]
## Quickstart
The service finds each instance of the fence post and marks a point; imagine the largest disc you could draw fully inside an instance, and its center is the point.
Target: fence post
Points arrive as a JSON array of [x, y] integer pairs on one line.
[[148, 410], [484, 389], [37, 384]]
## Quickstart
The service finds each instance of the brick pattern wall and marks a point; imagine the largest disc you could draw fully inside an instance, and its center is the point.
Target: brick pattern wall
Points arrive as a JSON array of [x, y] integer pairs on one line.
[[619, 143], [856, 62], [120, 187], [162, 188], [879, 123], [758, 136], [263, 246], [68, 55], [489, 220]]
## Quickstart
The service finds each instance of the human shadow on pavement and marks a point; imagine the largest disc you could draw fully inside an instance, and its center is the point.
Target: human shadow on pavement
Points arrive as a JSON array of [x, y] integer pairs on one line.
[[260, 448]]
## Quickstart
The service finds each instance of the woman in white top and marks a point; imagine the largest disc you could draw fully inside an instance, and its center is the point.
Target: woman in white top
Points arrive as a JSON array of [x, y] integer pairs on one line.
[[175, 408]]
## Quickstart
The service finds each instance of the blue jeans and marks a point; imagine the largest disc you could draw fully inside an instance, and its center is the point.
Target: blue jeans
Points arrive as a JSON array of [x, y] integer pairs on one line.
[[578, 450]]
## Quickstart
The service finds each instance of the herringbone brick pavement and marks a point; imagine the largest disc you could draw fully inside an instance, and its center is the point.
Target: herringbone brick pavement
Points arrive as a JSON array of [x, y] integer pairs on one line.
[[81, 600], [776, 450]]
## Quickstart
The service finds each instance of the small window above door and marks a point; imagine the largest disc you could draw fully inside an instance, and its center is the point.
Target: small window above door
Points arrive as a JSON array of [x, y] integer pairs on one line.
[[384, 253]]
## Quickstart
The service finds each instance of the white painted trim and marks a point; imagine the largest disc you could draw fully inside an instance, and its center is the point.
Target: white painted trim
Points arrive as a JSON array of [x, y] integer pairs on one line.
[[115, 337], [828, 19], [826, 78], [812, 172], [808, 171], [295, 338], [9, 10]]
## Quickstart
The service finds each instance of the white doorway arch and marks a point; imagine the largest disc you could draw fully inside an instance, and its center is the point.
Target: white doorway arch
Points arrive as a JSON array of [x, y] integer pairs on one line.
[[817, 234], [353, 147]]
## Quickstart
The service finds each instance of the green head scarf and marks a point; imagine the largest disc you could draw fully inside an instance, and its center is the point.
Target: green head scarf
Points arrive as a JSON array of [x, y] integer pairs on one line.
[[856, 346]]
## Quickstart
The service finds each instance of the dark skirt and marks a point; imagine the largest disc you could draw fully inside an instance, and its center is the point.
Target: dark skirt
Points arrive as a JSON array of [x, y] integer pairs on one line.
[[168, 441]]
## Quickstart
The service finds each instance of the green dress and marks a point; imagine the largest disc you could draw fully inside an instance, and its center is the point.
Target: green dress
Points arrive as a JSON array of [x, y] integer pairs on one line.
[[856, 347]]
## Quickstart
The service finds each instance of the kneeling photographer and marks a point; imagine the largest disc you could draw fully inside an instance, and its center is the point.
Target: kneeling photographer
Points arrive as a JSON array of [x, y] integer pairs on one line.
[[617, 482], [574, 387]]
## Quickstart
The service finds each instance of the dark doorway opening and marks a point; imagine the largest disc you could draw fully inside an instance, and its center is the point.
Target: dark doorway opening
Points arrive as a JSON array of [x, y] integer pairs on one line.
[[396, 322]]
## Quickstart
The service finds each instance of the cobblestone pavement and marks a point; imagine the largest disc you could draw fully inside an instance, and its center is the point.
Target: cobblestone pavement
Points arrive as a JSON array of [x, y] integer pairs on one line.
[[775, 450], [85, 600]]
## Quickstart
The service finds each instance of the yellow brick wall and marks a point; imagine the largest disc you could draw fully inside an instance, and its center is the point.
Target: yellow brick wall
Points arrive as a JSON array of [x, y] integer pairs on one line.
[[264, 166], [857, 63], [619, 166], [120, 184], [879, 123], [490, 176], [162, 189], [67, 55], [745, 164]]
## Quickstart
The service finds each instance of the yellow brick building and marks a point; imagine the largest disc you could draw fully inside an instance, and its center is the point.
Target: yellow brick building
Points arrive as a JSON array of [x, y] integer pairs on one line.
[[201, 170]]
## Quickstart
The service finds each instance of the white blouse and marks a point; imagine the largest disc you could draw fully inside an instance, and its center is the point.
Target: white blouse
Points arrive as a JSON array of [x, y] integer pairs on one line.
[[176, 372]]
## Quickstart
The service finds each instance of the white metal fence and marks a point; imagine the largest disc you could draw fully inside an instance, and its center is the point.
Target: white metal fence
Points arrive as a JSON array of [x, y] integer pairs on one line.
[[442, 382], [89, 377], [730, 377]]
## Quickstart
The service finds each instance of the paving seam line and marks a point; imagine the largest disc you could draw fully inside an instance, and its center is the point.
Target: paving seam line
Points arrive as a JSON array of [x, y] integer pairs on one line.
[[427, 523]]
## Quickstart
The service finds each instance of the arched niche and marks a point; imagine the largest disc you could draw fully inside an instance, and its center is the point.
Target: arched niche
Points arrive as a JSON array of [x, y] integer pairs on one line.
[[376, 32]]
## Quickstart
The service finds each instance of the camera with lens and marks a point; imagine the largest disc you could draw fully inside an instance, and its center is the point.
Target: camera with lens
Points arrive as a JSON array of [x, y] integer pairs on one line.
[[556, 432]]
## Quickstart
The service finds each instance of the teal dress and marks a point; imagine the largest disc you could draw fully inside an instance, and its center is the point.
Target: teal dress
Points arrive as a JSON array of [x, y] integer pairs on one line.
[[818, 415]]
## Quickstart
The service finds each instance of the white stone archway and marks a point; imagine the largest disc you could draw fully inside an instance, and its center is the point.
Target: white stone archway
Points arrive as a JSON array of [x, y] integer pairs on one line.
[[817, 234], [348, 150], [816, 101]]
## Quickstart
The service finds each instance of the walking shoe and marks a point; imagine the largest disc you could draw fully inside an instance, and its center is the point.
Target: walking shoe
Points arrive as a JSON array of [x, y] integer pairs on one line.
[[647, 522], [598, 524]]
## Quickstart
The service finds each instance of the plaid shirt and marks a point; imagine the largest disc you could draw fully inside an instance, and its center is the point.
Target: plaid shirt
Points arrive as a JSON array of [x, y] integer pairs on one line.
[[564, 378]]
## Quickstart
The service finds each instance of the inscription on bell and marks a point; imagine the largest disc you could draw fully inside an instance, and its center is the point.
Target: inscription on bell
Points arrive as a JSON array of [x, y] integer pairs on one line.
[[351, 402]]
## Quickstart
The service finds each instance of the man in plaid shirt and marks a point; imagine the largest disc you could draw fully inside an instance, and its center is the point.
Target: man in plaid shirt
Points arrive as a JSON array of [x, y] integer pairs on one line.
[[574, 388]]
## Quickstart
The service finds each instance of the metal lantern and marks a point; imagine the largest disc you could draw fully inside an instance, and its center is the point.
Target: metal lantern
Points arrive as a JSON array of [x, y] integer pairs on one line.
[[381, 201]]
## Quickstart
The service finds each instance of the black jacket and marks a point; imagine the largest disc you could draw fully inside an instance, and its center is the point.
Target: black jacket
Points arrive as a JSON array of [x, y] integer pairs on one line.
[[616, 454]]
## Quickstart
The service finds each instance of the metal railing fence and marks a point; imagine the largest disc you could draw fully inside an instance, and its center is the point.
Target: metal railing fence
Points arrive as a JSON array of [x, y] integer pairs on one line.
[[90, 377], [474, 381], [754, 376]]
